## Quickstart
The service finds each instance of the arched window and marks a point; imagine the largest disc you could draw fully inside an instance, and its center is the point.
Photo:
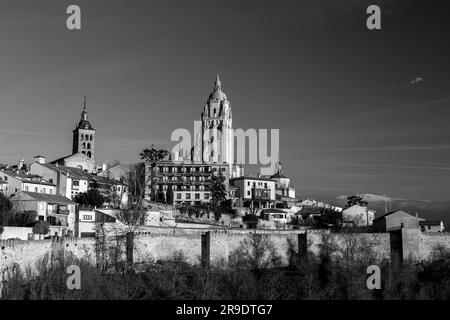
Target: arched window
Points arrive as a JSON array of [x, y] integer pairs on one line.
[[91, 137], [86, 137], [83, 152], [84, 145], [82, 137], [88, 145], [89, 154]]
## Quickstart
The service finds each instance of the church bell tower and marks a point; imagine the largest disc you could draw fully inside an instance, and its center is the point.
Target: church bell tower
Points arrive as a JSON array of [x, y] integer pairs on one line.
[[217, 127], [84, 135]]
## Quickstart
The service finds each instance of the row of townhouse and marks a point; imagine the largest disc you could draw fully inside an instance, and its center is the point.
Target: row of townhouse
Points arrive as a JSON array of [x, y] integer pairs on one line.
[[71, 181], [14, 181], [49, 190]]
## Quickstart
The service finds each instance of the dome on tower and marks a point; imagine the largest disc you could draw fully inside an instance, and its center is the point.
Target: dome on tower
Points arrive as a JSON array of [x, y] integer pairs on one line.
[[217, 94]]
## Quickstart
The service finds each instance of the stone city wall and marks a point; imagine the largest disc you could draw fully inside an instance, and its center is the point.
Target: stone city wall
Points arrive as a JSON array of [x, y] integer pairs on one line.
[[156, 243]]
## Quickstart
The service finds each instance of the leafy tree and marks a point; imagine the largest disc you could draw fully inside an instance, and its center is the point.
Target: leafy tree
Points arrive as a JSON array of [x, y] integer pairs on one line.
[[355, 199], [218, 194], [153, 154], [329, 217], [113, 164], [218, 189], [92, 198], [24, 219], [135, 182], [5, 209], [132, 218], [41, 227]]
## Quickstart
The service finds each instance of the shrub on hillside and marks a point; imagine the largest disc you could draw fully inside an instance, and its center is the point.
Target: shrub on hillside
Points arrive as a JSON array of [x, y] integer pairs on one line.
[[41, 227]]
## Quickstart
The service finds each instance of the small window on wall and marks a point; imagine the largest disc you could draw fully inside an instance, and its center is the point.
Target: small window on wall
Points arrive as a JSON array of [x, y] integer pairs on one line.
[[248, 193], [178, 196], [188, 196]]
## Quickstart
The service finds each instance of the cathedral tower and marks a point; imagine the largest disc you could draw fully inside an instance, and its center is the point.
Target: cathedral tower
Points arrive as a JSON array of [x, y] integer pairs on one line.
[[84, 135], [217, 130]]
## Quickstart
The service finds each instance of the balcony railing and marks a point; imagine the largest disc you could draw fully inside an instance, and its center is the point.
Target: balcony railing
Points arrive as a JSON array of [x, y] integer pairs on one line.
[[261, 194]]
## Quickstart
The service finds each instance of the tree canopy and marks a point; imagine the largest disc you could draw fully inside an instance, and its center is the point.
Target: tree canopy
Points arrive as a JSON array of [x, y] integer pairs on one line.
[[92, 198], [218, 194], [153, 154], [355, 199], [5, 209], [41, 227]]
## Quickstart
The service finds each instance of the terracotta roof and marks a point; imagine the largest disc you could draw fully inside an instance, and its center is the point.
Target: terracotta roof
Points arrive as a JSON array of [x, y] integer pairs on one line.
[[264, 211], [26, 178], [251, 178], [73, 172], [389, 213], [429, 223], [279, 175], [71, 155], [51, 198], [280, 197]]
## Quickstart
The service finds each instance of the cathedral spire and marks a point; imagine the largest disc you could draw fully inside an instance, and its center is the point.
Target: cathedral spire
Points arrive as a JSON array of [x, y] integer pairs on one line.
[[218, 83]]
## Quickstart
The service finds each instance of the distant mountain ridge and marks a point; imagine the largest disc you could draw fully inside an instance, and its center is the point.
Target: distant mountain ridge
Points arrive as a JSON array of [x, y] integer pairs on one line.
[[430, 210]]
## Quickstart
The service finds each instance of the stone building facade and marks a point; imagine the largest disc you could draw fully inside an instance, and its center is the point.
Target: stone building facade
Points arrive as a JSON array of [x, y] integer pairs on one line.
[[186, 177]]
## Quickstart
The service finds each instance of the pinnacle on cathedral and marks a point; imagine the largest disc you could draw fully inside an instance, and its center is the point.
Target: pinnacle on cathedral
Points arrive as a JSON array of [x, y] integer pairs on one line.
[[217, 94]]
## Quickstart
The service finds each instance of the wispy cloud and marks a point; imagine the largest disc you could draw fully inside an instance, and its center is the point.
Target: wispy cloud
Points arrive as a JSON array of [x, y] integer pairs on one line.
[[32, 133], [416, 80], [356, 149], [387, 111]]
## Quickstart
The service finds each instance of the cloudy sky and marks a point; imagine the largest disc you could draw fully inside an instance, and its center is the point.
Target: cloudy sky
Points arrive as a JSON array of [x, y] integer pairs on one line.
[[358, 110]]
